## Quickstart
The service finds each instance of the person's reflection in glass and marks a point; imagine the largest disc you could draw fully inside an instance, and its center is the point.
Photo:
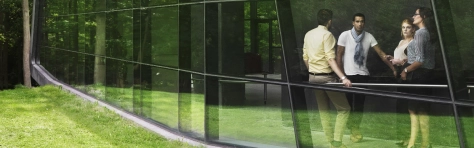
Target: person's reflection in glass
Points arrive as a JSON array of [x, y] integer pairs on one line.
[[318, 56], [398, 60], [418, 70], [353, 46]]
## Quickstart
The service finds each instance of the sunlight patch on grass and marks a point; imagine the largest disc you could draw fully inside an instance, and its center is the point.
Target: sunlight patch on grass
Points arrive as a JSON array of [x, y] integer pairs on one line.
[[48, 117]]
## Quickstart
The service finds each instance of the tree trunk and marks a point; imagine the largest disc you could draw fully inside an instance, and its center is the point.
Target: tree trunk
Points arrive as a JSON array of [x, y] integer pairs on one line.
[[26, 44], [99, 68]]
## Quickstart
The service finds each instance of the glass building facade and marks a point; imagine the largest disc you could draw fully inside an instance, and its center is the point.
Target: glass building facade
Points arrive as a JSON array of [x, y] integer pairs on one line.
[[231, 72]]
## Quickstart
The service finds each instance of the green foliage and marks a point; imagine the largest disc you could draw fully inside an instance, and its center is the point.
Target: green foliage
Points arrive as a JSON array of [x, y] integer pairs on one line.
[[11, 38]]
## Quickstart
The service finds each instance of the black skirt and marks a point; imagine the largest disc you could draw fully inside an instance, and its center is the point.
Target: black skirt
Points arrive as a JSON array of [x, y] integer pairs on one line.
[[418, 76]]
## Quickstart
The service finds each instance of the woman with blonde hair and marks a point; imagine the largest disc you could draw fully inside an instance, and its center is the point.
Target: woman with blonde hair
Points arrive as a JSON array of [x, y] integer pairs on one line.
[[407, 33], [399, 59], [418, 69]]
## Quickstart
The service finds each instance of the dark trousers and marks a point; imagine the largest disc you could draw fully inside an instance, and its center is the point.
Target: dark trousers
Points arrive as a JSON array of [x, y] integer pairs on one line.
[[356, 101]]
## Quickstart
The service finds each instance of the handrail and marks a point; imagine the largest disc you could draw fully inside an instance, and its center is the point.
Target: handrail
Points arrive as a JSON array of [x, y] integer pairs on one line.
[[371, 84], [399, 85], [394, 85]]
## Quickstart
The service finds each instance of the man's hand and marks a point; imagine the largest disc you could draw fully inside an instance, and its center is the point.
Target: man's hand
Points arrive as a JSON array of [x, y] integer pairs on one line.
[[397, 61], [347, 83], [403, 75], [395, 73]]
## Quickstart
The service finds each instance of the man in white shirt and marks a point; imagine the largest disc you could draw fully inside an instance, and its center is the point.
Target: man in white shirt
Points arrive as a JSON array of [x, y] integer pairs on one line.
[[353, 46]]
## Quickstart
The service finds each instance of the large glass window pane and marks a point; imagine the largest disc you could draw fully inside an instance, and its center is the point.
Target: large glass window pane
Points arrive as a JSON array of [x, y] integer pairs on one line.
[[325, 115], [52, 31], [47, 59], [66, 66], [119, 84], [164, 36], [65, 27], [191, 104], [79, 31], [250, 114], [161, 98], [191, 41], [382, 21], [463, 14], [241, 40], [91, 86], [119, 35], [90, 28]]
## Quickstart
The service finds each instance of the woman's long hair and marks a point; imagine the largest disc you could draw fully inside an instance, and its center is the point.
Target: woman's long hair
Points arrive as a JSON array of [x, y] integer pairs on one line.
[[428, 19]]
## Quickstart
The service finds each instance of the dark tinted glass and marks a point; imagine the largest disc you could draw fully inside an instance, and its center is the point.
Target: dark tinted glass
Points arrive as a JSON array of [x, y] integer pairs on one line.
[[383, 23], [119, 36], [164, 37], [462, 59], [191, 104], [191, 41], [163, 96], [119, 84], [244, 41], [249, 114], [91, 85]]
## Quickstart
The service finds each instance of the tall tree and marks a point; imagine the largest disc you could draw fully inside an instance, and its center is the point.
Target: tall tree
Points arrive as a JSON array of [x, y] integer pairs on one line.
[[26, 44], [99, 68]]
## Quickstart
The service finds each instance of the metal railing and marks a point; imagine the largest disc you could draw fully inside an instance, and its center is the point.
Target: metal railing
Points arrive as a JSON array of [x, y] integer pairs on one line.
[[400, 85]]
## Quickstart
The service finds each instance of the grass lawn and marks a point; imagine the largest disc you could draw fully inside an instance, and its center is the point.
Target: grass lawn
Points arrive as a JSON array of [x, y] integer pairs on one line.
[[48, 117]]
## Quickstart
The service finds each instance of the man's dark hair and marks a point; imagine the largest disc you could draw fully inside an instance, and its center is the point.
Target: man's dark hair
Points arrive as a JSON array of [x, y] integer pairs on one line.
[[358, 15], [324, 15]]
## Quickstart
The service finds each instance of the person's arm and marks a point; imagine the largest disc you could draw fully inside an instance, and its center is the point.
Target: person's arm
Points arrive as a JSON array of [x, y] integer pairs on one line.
[[306, 63], [340, 54], [420, 39], [305, 56], [398, 61], [410, 68], [339, 73], [382, 56]]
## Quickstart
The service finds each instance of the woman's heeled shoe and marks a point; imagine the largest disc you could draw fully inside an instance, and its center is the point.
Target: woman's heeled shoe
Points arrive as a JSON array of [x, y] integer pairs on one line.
[[402, 143], [429, 146], [356, 136], [337, 144]]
